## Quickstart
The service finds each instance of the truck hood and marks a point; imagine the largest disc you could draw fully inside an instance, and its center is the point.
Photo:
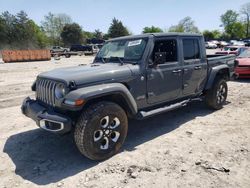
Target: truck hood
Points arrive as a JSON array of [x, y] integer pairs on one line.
[[89, 74]]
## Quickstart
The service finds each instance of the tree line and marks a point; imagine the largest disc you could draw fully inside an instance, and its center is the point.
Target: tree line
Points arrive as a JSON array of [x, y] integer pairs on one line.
[[20, 32], [235, 25]]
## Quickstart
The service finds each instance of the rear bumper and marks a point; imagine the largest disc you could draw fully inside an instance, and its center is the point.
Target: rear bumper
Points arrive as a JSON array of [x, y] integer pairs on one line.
[[45, 118]]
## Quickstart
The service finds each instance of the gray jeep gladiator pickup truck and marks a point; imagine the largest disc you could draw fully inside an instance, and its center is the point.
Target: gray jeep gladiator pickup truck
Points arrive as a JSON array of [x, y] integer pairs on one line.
[[130, 77]]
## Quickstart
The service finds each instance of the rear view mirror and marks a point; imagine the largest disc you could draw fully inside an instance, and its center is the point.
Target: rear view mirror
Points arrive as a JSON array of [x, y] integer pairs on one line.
[[160, 58]]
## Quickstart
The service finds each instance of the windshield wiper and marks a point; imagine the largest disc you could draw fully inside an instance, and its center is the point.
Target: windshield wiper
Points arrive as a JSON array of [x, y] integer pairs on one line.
[[120, 59], [103, 60], [130, 62], [116, 57]]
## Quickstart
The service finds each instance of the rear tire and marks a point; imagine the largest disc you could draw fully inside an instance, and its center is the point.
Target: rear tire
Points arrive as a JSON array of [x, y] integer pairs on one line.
[[216, 97], [101, 130]]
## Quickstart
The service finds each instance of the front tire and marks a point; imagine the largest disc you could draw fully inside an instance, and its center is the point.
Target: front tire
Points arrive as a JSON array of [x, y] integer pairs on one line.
[[216, 96], [101, 130]]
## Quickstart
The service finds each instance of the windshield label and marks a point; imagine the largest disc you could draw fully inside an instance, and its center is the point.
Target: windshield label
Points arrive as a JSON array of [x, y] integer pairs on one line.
[[134, 43]]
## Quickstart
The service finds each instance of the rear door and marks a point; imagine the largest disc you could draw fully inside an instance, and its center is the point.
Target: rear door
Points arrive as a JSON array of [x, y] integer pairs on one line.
[[164, 81], [194, 66]]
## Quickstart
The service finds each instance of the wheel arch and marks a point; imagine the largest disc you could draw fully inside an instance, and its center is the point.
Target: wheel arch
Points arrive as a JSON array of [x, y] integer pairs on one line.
[[115, 98], [221, 71], [114, 92]]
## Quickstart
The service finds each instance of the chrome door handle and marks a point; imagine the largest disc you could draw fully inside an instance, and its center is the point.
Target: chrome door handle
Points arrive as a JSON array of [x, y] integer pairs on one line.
[[197, 67], [176, 71]]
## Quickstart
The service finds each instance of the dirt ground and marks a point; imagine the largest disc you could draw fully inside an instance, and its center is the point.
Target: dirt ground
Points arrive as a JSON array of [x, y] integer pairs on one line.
[[188, 147]]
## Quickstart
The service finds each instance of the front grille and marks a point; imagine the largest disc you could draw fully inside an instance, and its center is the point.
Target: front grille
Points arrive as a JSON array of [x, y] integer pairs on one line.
[[45, 91]]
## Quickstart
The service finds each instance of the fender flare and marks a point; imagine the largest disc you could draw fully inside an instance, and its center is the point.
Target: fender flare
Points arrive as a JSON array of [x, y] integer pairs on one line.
[[103, 90], [214, 72]]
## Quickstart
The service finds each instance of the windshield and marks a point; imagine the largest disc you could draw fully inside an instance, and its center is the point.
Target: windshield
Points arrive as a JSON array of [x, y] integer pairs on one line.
[[245, 54], [130, 50]]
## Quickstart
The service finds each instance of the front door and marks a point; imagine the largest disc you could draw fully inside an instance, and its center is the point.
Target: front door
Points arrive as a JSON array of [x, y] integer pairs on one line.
[[164, 81]]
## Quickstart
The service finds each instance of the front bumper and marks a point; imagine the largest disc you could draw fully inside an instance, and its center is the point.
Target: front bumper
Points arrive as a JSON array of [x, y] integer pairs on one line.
[[243, 72], [45, 118]]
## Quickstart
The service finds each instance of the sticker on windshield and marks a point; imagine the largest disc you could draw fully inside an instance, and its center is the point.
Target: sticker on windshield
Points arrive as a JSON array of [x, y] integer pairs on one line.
[[134, 43]]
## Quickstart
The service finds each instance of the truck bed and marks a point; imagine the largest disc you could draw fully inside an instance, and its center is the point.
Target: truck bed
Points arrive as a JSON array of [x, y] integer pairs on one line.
[[219, 56], [218, 59]]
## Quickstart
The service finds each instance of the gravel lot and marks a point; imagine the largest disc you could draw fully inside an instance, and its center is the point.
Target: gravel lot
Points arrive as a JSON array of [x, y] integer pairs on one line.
[[188, 147]]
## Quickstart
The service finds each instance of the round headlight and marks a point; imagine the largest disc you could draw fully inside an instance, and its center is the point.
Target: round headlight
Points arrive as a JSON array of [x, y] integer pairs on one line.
[[59, 91]]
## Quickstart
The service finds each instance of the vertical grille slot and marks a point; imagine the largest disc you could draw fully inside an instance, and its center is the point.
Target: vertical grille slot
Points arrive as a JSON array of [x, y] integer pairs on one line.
[[45, 91]]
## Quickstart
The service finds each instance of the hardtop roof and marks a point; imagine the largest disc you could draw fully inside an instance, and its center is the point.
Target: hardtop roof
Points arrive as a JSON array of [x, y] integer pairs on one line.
[[173, 34]]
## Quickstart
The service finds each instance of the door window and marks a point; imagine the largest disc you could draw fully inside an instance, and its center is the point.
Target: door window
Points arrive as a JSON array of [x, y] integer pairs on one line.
[[168, 47], [191, 49]]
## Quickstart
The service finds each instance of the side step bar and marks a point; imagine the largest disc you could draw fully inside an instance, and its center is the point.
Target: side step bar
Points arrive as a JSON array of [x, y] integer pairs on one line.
[[143, 114]]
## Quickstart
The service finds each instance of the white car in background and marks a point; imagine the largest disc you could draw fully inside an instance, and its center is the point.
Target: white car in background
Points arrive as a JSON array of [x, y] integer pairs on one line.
[[210, 45], [223, 43], [237, 43], [215, 42]]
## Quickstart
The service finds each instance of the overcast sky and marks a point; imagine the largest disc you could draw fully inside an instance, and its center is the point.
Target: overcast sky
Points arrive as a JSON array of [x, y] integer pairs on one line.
[[135, 14]]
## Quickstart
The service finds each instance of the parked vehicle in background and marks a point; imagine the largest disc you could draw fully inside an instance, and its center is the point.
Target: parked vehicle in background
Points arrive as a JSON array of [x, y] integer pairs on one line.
[[215, 42], [58, 49], [99, 46], [87, 49], [133, 76], [78, 48], [236, 43], [222, 44], [247, 42], [210, 45], [243, 64], [95, 48], [236, 50]]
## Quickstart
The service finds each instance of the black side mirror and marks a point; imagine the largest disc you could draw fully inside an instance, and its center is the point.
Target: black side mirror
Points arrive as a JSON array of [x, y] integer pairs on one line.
[[160, 58]]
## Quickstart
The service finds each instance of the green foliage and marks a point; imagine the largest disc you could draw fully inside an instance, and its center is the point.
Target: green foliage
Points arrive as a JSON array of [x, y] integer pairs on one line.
[[117, 29], [38, 38], [72, 34], [105, 37], [229, 18], [8, 28], [232, 26], [88, 35], [245, 10], [53, 26], [3, 32], [20, 32], [208, 35], [214, 34], [186, 25], [98, 34], [152, 29], [236, 30]]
